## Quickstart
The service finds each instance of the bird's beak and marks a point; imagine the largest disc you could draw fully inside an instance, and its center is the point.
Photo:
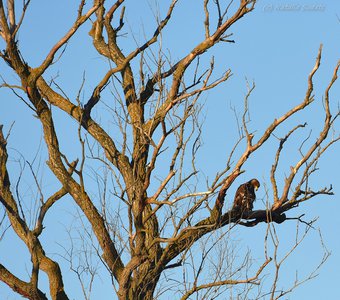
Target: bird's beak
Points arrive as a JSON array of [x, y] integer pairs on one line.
[[256, 188]]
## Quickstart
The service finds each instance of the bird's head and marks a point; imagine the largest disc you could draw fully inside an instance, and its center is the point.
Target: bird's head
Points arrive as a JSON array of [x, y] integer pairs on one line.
[[255, 183]]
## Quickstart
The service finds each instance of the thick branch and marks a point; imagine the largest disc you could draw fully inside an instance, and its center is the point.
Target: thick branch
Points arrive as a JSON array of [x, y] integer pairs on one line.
[[6, 197], [98, 133], [55, 163], [25, 289], [22, 230]]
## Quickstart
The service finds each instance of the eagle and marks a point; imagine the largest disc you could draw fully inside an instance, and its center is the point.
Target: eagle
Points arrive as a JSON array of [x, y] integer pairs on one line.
[[245, 196]]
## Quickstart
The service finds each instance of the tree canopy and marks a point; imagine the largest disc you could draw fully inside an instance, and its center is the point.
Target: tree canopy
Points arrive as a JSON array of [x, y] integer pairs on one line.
[[119, 151]]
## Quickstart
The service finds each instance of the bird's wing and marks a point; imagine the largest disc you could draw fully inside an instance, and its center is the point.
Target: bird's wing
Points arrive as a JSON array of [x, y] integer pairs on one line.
[[240, 195]]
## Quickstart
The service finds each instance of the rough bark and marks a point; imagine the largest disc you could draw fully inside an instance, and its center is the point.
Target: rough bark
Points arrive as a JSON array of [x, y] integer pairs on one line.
[[151, 249]]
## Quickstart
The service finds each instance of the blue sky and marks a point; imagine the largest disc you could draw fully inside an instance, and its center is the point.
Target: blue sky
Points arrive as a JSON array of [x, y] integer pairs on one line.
[[275, 46]]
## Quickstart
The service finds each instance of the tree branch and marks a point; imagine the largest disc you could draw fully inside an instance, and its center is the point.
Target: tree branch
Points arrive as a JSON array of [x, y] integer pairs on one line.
[[25, 289], [37, 72]]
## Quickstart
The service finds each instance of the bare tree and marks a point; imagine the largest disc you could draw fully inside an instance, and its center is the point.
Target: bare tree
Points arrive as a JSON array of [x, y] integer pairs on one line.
[[149, 212]]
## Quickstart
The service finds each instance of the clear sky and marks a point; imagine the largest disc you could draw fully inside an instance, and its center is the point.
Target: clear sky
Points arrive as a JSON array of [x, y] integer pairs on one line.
[[275, 46]]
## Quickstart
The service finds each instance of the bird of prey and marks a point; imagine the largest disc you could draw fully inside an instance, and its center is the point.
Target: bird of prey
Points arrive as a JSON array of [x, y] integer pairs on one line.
[[245, 196]]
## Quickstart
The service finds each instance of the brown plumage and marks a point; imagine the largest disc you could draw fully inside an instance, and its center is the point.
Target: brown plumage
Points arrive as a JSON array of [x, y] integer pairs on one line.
[[245, 195]]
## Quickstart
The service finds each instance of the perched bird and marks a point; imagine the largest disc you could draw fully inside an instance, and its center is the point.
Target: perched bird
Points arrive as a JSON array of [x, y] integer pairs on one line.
[[245, 196]]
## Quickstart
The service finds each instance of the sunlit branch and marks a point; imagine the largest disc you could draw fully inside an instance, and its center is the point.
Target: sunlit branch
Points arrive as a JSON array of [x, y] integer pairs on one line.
[[25, 289], [37, 72], [322, 137], [251, 280], [277, 158]]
